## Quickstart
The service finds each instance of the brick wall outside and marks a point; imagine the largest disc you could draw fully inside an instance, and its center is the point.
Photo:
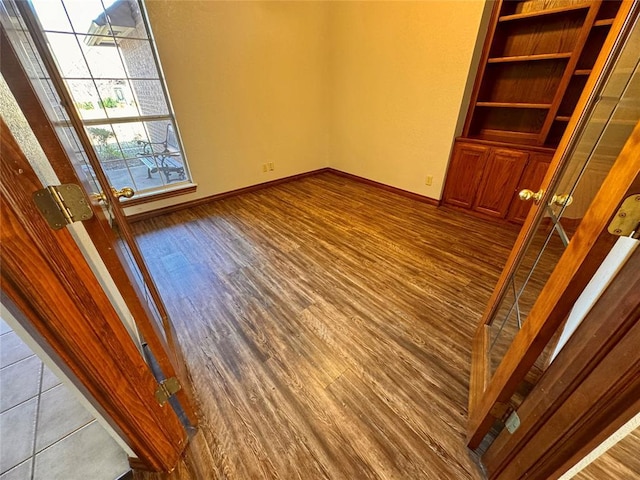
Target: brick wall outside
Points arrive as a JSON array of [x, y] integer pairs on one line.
[[139, 61]]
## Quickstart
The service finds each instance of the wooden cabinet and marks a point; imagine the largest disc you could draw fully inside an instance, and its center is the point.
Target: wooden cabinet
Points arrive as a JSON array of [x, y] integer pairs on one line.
[[468, 163], [486, 178], [537, 166], [499, 180], [535, 63]]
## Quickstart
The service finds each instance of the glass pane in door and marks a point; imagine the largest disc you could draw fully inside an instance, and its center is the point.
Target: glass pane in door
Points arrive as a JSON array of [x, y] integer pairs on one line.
[[539, 261], [107, 61], [76, 153], [610, 122]]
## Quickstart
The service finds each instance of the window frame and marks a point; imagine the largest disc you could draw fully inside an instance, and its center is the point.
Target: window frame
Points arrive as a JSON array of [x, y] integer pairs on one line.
[[157, 183]]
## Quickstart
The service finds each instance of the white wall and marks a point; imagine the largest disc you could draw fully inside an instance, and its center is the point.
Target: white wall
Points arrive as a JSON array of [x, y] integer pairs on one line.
[[248, 82], [371, 88], [399, 72]]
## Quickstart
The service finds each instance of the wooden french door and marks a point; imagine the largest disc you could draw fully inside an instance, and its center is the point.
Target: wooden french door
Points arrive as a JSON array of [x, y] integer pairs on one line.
[[49, 287], [557, 252], [590, 390], [39, 94]]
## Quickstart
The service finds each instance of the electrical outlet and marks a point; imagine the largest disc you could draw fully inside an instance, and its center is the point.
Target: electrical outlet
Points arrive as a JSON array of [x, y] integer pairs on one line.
[[271, 166], [429, 180], [264, 167]]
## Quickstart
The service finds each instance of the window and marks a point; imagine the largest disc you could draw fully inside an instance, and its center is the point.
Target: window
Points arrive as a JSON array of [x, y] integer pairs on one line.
[[104, 52]]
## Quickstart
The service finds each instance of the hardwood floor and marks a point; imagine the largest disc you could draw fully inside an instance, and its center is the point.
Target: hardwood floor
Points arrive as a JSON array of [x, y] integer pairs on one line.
[[327, 326], [620, 462]]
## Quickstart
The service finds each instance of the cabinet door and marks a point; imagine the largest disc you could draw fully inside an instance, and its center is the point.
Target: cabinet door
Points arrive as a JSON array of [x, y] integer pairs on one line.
[[463, 176], [532, 179], [501, 177]]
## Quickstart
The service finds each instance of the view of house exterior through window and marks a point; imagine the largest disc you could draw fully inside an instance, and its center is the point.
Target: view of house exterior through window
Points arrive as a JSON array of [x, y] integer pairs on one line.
[[105, 54]]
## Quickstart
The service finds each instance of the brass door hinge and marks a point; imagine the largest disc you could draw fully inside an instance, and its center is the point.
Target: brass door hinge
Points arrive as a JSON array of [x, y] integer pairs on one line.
[[506, 413], [627, 218], [166, 389], [513, 422], [61, 205]]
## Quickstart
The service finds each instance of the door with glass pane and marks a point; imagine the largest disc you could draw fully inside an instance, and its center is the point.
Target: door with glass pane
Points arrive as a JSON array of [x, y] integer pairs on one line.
[[103, 52], [50, 289], [74, 151], [562, 243]]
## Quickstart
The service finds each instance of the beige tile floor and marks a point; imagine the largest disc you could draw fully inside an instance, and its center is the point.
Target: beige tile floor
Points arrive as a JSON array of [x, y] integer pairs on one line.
[[45, 433]]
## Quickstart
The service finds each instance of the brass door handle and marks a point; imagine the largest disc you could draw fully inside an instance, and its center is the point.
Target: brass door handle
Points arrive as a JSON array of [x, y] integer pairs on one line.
[[527, 194], [126, 192], [559, 200], [562, 200]]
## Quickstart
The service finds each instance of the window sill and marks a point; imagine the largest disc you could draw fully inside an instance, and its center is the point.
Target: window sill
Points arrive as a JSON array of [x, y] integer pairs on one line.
[[160, 195]]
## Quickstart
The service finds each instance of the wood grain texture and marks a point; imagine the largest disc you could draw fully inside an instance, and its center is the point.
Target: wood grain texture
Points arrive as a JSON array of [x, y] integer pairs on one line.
[[529, 57], [582, 394], [515, 83], [107, 242], [136, 217], [327, 325], [196, 463], [603, 66], [485, 178], [620, 462], [549, 34], [388, 188], [48, 285], [582, 35], [464, 174], [252, 188], [531, 178], [499, 180], [584, 254]]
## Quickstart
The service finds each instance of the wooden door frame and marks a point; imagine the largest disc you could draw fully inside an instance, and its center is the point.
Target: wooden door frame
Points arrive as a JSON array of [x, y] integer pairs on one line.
[[167, 353], [586, 394], [489, 395], [48, 286], [584, 254]]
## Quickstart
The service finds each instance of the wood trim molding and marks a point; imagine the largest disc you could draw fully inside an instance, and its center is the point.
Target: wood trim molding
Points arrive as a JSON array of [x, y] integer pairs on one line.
[[504, 381], [27, 11], [126, 476], [494, 143], [604, 64], [480, 366], [388, 188], [569, 69], [199, 462], [478, 385], [591, 388], [136, 217], [482, 66]]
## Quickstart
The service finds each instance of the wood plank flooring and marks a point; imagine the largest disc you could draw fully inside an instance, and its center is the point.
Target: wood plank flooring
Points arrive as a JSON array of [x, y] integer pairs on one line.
[[327, 326], [620, 462]]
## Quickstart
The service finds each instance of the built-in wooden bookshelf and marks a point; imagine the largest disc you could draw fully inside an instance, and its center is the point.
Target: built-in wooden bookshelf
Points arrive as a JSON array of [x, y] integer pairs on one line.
[[535, 63]]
